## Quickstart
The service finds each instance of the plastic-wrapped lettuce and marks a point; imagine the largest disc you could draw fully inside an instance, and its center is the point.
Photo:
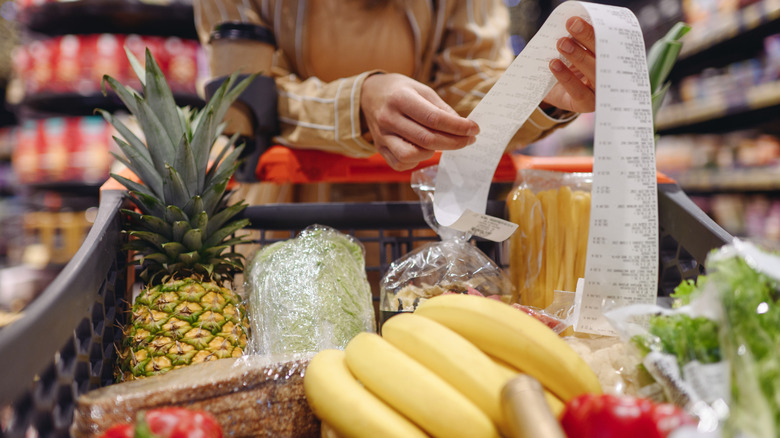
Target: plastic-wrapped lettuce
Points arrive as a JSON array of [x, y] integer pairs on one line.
[[309, 293]]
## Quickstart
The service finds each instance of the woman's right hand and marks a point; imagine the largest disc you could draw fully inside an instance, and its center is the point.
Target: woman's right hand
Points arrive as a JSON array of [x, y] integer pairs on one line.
[[408, 121]]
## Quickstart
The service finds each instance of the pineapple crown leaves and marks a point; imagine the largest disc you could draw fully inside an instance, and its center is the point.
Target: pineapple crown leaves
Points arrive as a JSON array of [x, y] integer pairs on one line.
[[183, 223]]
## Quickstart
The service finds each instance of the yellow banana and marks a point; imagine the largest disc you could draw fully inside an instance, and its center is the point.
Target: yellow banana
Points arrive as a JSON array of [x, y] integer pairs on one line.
[[516, 338], [453, 358], [510, 372], [336, 398], [414, 390]]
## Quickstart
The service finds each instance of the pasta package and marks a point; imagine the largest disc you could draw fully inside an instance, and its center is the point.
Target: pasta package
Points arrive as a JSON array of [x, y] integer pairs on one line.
[[549, 248]]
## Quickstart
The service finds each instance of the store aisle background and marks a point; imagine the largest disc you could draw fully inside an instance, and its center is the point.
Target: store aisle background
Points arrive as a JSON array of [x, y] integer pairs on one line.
[[719, 127]]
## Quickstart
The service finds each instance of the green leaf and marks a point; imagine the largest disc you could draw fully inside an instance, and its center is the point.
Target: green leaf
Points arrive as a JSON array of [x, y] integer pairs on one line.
[[157, 257], [657, 99], [147, 236], [202, 142], [147, 204], [176, 191], [173, 249], [193, 239], [219, 219], [185, 165], [213, 196], [226, 168], [189, 258], [194, 208], [155, 224], [179, 229], [224, 232], [663, 54], [161, 149], [160, 99], [126, 94], [200, 220], [133, 186], [233, 94], [222, 153], [173, 213], [136, 65], [145, 171]]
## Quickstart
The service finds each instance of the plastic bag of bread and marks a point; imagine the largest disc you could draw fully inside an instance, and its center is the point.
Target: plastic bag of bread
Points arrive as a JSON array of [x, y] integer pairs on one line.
[[251, 396], [452, 265]]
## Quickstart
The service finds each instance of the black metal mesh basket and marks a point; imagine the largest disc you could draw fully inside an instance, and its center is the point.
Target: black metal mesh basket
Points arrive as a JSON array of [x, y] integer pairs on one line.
[[64, 344]]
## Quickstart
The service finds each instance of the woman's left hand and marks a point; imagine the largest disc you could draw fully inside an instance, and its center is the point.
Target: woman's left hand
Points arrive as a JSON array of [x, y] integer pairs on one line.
[[575, 90]]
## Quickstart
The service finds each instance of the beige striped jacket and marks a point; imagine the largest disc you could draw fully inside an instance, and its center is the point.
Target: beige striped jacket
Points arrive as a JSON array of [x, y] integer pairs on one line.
[[460, 49]]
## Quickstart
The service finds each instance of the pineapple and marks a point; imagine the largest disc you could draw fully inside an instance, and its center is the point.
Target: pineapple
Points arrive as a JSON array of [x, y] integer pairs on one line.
[[181, 233]]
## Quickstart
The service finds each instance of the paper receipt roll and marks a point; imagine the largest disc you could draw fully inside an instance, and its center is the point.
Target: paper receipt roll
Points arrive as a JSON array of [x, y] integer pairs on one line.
[[621, 266]]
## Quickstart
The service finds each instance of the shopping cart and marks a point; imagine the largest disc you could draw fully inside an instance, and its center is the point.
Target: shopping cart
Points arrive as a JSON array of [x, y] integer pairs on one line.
[[64, 345]]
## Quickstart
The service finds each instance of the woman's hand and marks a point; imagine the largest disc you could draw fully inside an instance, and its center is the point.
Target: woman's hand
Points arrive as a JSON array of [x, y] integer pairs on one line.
[[575, 90], [409, 121]]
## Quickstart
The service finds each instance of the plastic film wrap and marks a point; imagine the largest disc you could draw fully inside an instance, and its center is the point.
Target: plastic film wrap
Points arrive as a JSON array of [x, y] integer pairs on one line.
[[453, 264], [251, 396], [309, 293], [548, 250]]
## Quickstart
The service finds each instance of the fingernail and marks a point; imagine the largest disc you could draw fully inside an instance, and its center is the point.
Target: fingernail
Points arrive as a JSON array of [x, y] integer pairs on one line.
[[577, 26], [472, 140], [556, 65], [474, 130], [567, 46]]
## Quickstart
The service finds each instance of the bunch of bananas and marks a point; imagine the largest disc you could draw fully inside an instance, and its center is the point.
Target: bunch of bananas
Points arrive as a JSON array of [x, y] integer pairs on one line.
[[440, 371]]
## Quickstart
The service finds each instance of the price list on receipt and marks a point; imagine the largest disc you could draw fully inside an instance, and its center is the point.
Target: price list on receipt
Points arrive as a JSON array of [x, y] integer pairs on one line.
[[621, 266]]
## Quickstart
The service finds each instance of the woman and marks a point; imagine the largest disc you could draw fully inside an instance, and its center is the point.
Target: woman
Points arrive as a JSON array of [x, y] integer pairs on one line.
[[397, 77]]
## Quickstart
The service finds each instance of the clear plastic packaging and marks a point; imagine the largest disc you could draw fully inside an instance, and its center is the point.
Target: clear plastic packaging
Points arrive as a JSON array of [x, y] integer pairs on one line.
[[453, 264], [309, 293], [548, 250], [250, 396], [715, 352]]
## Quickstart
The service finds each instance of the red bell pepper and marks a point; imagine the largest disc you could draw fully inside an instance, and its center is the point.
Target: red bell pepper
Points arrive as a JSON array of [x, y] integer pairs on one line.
[[168, 423], [613, 416]]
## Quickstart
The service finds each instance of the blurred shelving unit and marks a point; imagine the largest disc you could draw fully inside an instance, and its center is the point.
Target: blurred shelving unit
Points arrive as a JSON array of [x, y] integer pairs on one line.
[[720, 128], [58, 150]]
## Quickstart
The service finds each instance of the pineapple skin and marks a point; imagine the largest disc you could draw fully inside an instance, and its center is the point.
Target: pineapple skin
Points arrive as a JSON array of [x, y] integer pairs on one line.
[[180, 323]]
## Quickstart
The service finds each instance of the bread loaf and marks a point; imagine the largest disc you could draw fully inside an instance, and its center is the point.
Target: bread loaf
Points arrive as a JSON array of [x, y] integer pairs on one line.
[[252, 396]]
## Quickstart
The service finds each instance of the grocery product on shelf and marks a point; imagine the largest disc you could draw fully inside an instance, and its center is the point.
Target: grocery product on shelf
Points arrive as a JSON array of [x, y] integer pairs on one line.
[[73, 65], [75, 150], [188, 312]]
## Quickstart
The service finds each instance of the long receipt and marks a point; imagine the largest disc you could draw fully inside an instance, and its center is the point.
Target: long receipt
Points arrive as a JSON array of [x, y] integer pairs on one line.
[[622, 262]]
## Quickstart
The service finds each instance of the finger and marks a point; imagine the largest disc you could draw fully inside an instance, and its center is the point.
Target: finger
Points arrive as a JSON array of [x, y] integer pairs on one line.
[[582, 32], [400, 154], [426, 138], [432, 117], [579, 57], [583, 99]]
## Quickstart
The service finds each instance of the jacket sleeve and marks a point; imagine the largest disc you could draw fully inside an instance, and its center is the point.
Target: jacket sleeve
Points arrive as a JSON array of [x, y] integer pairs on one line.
[[475, 52], [312, 114]]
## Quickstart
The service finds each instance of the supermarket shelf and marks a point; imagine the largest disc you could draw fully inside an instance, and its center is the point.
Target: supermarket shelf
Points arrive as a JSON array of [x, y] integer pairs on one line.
[[725, 39], [720, 114], [110, 16], [704, 181], [74, 104]]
